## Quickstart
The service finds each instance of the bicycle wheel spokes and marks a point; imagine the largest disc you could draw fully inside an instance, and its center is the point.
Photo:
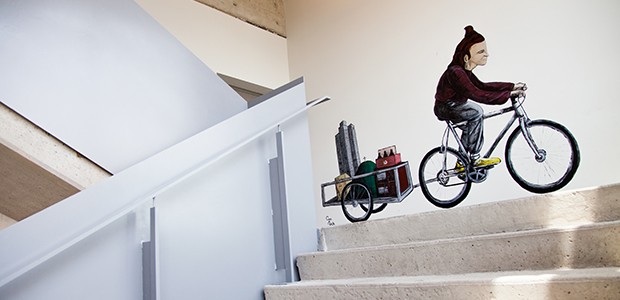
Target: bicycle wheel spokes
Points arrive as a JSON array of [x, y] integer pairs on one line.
[[440, 181], [552, 166], [356, 202]]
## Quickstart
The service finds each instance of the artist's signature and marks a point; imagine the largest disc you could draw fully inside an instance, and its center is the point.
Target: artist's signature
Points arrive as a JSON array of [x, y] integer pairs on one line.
[[330, 221]]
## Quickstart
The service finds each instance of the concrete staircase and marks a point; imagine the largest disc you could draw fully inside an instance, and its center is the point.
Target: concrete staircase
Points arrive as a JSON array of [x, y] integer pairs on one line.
[[558, 246]]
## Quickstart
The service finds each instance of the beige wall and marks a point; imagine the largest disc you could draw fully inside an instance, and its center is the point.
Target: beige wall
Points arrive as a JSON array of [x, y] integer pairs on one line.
[[224, 43], [380, 62]]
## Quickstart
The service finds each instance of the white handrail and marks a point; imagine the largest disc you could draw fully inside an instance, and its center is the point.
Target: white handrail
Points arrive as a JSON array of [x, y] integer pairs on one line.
[[28, 263], [238, 146]]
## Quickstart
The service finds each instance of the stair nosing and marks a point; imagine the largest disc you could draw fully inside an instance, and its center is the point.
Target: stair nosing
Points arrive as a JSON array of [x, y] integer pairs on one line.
[[507, 278]]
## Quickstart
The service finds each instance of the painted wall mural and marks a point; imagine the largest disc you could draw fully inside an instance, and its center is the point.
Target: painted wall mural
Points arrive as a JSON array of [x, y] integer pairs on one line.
[[541, 155]]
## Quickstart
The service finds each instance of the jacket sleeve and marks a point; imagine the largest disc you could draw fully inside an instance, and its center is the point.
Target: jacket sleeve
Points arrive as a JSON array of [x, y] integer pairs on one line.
[[476, 90]]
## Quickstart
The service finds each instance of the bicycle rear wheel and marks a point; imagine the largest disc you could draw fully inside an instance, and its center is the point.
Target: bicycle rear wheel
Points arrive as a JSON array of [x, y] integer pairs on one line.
[[439, 180], [555, 163], [356, 202], [376, 209]]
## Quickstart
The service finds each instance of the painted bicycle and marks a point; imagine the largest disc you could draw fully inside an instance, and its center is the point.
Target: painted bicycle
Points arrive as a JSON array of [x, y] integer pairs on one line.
[[541, 156]]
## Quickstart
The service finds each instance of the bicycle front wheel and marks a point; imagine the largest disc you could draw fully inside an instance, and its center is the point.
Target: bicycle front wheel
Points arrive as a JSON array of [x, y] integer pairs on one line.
[[549, 168], [441, 183]]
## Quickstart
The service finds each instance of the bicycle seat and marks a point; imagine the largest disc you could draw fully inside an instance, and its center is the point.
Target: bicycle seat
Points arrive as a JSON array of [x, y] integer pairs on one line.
[[453, 124]]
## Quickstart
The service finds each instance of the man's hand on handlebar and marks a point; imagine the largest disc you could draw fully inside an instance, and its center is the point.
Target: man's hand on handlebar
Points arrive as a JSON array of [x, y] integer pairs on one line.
[[520, 86], [517, 94], [518, 91]]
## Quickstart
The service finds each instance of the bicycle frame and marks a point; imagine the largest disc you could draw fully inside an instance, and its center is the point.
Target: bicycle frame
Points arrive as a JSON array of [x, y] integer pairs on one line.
[[519, 114], [447, 173]]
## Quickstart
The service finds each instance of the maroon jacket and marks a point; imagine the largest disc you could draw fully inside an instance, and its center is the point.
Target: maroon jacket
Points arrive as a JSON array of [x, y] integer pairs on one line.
[[457, 85]]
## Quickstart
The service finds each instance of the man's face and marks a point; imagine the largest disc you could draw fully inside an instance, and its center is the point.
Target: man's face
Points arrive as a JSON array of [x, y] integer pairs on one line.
[[479, 54]]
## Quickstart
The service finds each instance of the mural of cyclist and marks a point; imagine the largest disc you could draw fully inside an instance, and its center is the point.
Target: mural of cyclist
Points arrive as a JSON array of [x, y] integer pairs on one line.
[[458, 90]]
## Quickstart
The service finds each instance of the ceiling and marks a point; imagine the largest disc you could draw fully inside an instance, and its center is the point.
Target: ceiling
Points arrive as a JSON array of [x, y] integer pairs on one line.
[[265, 14], [26, 188]]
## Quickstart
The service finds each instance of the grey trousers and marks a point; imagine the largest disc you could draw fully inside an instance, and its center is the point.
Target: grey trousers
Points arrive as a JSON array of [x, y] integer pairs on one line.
[[471, 112]]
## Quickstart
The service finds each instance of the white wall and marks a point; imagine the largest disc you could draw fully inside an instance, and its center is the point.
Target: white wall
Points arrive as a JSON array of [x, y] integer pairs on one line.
[[380, 62], [226, 44], [106, 79]]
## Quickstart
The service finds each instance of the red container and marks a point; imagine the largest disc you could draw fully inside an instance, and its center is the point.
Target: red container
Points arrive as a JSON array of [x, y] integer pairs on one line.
[[388, 161], [386, 181]]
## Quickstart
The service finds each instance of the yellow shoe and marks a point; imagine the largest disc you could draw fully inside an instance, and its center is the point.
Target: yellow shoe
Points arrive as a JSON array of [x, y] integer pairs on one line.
[[482, 162], [458, 168], [487, 162]]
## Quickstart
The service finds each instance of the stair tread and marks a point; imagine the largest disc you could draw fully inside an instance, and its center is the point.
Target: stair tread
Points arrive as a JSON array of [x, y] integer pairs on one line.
[[597, 204], [588, 246], [559, 246], [532, 232], [497, 278]]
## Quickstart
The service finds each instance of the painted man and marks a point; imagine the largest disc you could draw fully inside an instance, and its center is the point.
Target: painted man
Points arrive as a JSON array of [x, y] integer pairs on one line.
[[458, 90]]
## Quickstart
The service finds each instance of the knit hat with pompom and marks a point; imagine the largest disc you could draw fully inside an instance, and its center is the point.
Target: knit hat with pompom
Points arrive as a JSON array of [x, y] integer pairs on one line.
[[471, 37]]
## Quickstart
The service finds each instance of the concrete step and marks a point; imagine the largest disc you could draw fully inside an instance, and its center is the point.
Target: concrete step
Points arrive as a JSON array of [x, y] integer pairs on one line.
[[600, 204], [582, 246], [566, 284]]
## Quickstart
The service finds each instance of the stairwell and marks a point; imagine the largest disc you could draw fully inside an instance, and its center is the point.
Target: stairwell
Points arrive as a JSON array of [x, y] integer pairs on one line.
[[558, 246]]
